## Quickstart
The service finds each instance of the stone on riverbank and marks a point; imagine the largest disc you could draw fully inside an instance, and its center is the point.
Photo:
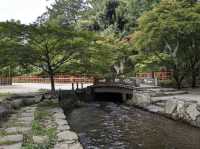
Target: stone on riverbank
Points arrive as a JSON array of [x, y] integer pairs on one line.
[[140, 99], [40, 139], [60, 116], [17, 130], [4, 110], [170, 106], [69, 146], [67, 136], [11, 139], [192, 111], [179, 105]]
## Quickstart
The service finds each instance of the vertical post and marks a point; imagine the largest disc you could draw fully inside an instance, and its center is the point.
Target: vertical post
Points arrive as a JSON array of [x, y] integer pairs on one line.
[[156, 81], [72, 86], [77, 85], [153, 74]]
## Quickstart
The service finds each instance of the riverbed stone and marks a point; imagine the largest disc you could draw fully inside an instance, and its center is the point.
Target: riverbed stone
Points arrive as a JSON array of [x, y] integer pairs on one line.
[[170, 107], [13, 146], [11, 138], [76, 145], [67, 136], [40, 139], [192, 111]]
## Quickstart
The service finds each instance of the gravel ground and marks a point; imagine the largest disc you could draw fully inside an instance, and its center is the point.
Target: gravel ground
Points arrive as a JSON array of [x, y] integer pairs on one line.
[[32, 87]]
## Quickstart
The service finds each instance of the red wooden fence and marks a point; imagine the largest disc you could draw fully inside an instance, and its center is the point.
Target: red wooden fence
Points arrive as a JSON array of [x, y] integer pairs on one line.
[[162, 75], [57, 78], [5, 81]]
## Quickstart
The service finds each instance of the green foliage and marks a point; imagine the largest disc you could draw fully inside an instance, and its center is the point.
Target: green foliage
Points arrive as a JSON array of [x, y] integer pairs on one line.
[[167, 83], [67, 12], [9, 42], [148, 62], [171, 28], [94, 37]]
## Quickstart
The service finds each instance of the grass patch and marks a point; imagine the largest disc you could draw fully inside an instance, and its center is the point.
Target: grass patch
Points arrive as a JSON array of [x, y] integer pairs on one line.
[[2, 133], [4, 95], [38, 129], [42, 116]]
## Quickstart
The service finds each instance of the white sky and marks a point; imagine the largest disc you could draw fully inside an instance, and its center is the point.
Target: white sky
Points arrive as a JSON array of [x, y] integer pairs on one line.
[[26, 11]]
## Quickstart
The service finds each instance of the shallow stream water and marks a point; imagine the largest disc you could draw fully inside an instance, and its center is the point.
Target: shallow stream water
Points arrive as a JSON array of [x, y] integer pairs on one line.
[[106, 125]]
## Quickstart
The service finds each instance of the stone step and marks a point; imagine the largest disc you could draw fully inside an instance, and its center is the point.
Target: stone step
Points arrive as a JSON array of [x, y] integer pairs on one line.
[[11, 139], [17, 130], [13, 146]]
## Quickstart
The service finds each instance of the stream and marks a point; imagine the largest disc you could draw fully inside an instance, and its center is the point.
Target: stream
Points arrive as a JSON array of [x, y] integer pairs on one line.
[[107, 125]]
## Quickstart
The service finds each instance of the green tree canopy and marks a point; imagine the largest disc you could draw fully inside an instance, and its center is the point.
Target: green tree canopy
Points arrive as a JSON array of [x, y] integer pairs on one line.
[[172, 27]]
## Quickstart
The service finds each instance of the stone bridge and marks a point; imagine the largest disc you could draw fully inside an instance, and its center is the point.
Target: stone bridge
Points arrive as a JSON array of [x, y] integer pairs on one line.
[[116, 91]]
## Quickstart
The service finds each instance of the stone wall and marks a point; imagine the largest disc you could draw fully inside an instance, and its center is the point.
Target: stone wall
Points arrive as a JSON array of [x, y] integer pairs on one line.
[[14, 102], [66, 139], [176, 108]]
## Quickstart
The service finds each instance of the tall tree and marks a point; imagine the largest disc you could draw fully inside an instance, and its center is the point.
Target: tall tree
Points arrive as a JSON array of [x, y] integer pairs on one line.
[[165, 29], [11, 39], [48, 47]]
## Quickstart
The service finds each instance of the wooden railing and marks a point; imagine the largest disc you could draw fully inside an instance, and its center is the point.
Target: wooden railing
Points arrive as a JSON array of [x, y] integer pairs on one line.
[[163, 75], [58, 79], [5, 81]]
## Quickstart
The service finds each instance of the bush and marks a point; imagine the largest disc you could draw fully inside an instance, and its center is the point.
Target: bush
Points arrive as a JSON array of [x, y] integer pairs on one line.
[[167, 83]]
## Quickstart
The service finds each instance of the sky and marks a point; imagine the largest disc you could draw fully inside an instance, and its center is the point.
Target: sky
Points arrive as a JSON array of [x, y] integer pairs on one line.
[[26, 11]]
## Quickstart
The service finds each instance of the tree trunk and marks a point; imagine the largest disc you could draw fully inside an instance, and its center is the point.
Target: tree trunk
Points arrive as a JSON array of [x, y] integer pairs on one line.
[[178, 83], [52, 83], [193, 79], [178, 79]]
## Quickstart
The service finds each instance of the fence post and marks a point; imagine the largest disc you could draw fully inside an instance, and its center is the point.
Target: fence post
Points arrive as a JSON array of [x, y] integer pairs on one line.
[[156, 81]]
